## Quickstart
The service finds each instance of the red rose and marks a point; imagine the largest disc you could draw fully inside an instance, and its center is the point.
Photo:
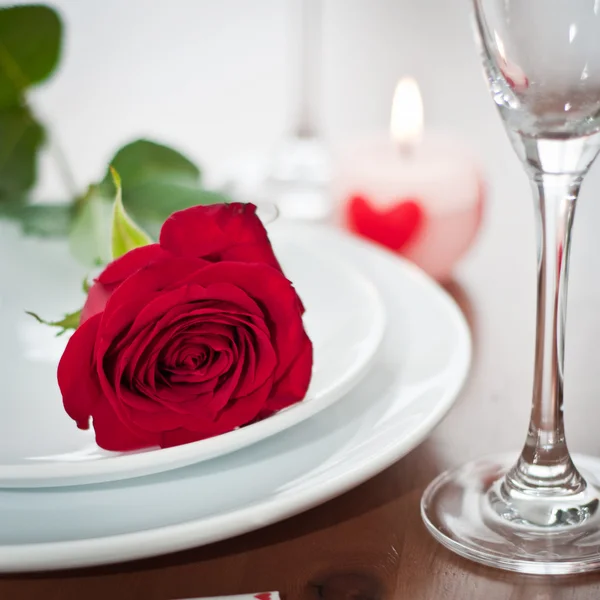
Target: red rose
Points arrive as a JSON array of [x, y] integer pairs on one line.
[[189, 338]]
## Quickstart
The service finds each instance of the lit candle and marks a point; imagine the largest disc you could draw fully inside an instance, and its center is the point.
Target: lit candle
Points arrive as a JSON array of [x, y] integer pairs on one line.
[[418, 194]]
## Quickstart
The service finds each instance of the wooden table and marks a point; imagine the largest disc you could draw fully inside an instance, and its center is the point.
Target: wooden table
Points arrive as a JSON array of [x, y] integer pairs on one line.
[[370, 543]]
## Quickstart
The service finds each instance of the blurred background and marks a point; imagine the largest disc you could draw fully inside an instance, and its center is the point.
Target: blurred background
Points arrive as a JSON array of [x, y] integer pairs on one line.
[[219, 82], [220, 79]]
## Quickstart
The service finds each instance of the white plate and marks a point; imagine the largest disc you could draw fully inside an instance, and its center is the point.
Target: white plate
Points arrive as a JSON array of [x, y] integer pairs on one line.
[[418, 372], [41, 446]]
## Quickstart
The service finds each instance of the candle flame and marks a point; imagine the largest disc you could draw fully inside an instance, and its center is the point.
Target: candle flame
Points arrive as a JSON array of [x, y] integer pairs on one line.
[[406, 125]]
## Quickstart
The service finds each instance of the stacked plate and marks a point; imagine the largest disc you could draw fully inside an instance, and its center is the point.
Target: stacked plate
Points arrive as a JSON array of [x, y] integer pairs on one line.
[[391, 352]]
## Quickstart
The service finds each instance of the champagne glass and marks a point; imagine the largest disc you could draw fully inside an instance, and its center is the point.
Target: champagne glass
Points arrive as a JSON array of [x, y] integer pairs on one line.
[[296, 176], [541, 514]]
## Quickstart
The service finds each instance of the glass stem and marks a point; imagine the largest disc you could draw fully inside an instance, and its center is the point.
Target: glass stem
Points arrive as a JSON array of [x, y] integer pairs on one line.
[[309, 48], [545, 466]]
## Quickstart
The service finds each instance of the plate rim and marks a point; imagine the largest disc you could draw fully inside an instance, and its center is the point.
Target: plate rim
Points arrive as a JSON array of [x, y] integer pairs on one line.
[[172, 538], [119, 467]]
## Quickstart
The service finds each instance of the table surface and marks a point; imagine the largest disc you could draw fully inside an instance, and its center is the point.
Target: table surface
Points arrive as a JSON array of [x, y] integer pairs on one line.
[[369, 543]]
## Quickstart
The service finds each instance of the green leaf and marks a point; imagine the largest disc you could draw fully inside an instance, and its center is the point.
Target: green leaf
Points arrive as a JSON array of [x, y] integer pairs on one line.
[[143, 160], [89, 238], [125, 234], [11, 206], [85, 286], [20, 139], [30, 43], [46, 220], [43, 220], [157, 181], [70, 321]]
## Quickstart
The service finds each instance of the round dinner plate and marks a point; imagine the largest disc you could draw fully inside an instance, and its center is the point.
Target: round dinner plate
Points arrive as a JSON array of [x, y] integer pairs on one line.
[[41, 446], [417, 373]]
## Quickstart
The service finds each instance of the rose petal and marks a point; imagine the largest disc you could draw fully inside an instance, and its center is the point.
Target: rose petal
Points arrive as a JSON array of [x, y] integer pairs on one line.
[[76, 374], [259, 361], [138, 290], [271, 290], [241, 412], [219, 232], [96, 301], [292, 386], [121, 268], [113, 434], [177, 313], [179, 436]]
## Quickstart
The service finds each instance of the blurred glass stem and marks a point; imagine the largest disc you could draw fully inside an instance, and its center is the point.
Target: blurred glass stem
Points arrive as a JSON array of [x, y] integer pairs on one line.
[[298, 175]]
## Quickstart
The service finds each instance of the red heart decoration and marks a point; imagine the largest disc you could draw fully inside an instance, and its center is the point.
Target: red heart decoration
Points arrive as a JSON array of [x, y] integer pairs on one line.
[[392, 227], [266, 596]]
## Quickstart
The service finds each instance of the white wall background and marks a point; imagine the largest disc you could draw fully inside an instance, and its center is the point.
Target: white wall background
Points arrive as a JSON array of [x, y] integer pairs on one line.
[[217, 78]]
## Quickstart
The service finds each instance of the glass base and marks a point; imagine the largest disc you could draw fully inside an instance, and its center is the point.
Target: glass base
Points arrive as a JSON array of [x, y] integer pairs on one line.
[[465, 510], [297, 180]]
